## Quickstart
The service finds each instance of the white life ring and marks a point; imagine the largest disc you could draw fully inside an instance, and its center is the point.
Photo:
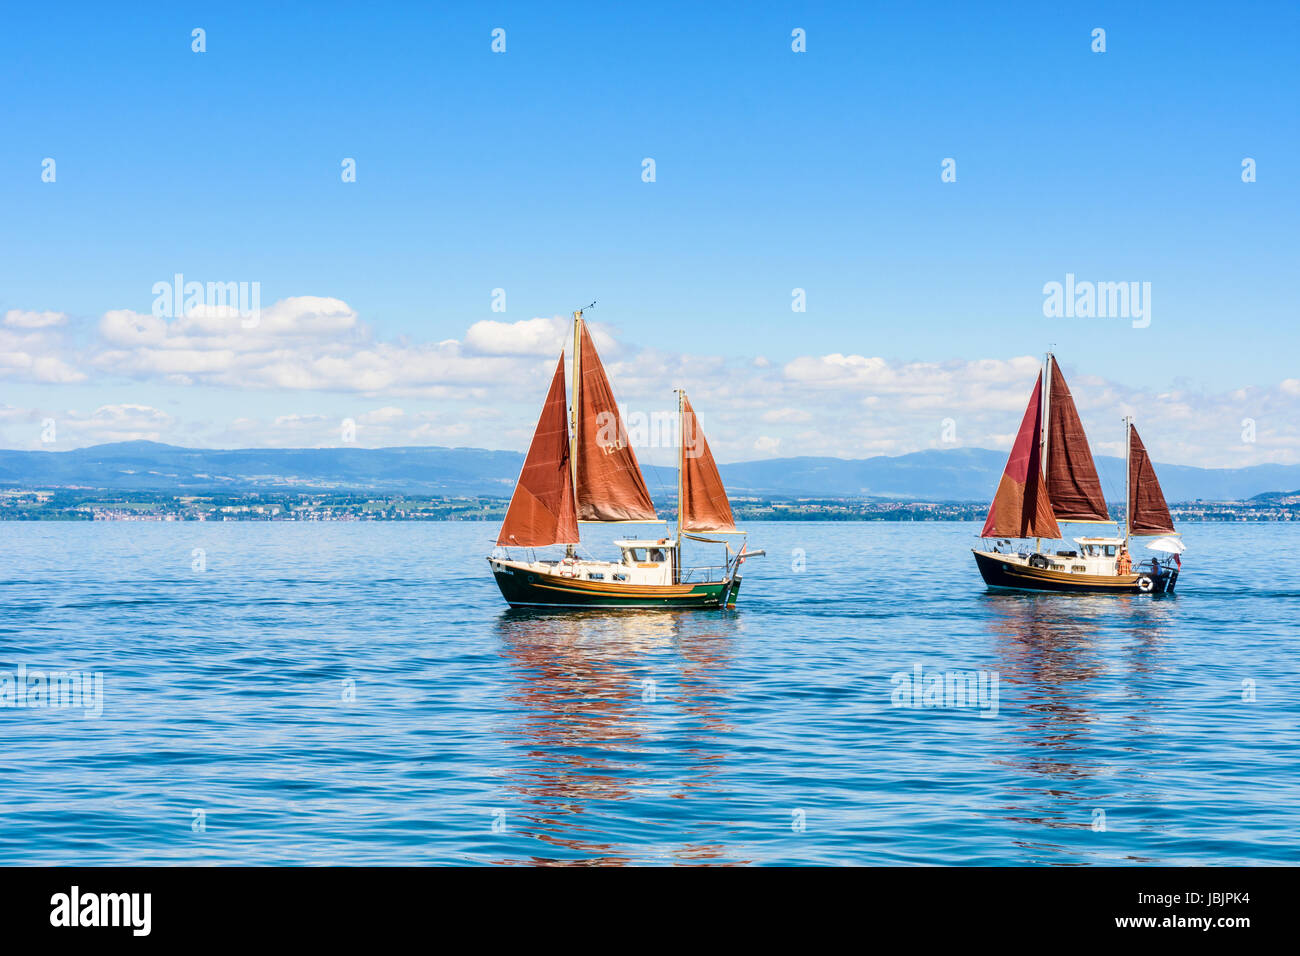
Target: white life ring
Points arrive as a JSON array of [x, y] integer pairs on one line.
[[1145, 584]]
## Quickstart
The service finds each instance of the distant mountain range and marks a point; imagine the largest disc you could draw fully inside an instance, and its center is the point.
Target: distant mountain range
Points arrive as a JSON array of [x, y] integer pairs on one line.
[[963, 474], [972, 474]]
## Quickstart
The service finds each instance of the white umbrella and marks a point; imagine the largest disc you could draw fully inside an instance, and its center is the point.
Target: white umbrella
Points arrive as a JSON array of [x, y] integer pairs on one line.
[[1168, 545]]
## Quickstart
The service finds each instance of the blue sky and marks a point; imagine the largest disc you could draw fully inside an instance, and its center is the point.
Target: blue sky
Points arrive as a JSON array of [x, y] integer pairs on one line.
[[775, 170]]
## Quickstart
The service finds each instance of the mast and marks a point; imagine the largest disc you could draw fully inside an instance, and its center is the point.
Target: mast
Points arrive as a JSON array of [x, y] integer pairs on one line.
[[1128, 478], [573, 408], [1042, 434], [1047, 399], [681, 474]]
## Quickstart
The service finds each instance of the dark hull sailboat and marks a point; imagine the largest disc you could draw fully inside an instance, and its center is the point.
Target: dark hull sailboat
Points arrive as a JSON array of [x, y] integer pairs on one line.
[[1050, 478], [1055, 574], [584, 469]]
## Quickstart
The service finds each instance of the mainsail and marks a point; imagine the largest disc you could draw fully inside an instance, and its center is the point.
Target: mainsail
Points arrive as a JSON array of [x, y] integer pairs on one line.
[[704, 505], [609, 482], [1072, 484], [1147, 511], [541, 510], [1021, 508]]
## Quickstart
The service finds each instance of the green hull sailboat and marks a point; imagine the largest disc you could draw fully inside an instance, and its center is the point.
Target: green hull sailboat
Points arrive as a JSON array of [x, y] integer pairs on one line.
[[581, 467]]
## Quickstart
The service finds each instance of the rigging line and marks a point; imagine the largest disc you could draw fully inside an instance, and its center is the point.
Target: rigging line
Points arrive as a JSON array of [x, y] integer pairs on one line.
[[663, 490], [617, 390], [1105, 477], [1110, 483]]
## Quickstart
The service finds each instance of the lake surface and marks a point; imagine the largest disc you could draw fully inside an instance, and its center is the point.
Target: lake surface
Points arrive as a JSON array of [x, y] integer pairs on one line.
[[358, 693]]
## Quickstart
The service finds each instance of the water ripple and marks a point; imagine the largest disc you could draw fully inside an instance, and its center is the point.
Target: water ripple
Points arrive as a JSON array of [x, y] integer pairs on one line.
[[359, 694]]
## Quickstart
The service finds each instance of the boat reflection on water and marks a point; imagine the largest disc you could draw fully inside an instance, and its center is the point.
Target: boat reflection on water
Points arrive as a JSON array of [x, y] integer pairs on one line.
[[617, 714], [1076, 679]]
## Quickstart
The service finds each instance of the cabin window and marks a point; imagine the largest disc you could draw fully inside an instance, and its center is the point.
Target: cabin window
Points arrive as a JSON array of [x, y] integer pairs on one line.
[[1110, 550], [635, 555], [595, 576], [620, 577], [656, 554]]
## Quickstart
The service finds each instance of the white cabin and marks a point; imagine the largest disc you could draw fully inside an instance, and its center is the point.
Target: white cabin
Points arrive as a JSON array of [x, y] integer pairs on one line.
[[648, 561], [1092, 556]]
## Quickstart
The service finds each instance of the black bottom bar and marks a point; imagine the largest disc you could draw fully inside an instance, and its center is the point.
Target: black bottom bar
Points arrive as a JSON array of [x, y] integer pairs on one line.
[[946, 906]]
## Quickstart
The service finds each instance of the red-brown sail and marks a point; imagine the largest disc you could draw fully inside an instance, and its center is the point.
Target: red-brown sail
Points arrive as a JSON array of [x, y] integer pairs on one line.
[[541, 510], [1021, 508], [610, 485], [1147, 511], [1072, 484], [704, 501]]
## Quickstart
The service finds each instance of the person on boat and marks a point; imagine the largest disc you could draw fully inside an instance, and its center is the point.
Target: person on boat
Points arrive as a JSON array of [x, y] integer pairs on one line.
[[1123, 564]]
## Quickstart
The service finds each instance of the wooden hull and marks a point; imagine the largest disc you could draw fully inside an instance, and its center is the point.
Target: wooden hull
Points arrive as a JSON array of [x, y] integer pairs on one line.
[[1000, 573], [528, 587]]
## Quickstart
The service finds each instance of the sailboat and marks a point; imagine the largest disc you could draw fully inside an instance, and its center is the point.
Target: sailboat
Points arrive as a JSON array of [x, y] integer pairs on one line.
[[1050, 478], [581, 468]]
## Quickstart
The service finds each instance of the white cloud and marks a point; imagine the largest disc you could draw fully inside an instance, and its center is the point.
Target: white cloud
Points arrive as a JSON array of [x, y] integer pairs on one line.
[[306, 343], [307, 353], [24, 427], [374, 428], [17, 319], [124, 327], [537, 337], [222, 329], [36, 350], [382, 416], [542, 337]]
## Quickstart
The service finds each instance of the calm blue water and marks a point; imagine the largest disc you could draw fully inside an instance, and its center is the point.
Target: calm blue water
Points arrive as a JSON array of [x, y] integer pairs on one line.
[[769, 735]]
